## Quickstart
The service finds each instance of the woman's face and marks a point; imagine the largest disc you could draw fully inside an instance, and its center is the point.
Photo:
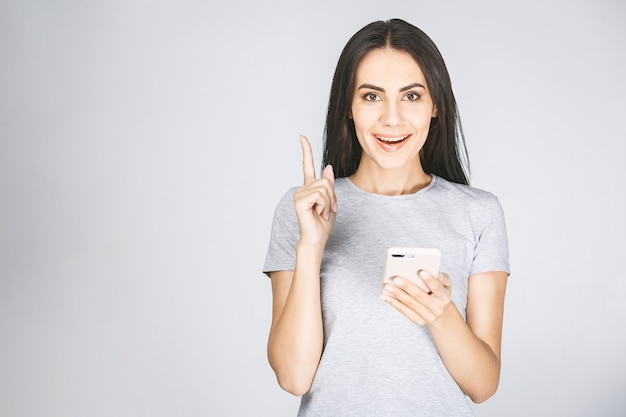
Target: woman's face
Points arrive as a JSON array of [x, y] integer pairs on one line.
[[391, 109]]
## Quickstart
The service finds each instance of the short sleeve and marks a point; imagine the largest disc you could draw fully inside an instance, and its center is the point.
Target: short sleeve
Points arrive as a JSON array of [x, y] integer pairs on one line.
[[491, 252], [281, 251]]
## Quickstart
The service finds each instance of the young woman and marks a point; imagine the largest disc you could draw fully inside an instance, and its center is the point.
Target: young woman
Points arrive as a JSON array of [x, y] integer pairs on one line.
[[394, 176]]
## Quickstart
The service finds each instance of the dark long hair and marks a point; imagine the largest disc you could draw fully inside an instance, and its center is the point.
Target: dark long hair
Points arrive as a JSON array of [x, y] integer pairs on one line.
[[444, 153]]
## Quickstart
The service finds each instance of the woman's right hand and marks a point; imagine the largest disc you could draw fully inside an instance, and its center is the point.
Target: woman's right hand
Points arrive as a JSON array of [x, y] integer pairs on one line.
[[296, 338], [315, 201]]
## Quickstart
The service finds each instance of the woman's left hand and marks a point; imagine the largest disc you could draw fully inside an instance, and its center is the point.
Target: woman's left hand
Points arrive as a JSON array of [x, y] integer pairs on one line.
[[419, 306]]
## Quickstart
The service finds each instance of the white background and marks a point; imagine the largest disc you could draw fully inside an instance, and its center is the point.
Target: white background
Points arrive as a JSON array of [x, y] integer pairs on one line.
[[144, 145]]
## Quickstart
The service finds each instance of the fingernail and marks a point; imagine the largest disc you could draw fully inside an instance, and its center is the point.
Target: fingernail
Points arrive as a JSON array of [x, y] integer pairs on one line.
[[423, 274], [397, 280]]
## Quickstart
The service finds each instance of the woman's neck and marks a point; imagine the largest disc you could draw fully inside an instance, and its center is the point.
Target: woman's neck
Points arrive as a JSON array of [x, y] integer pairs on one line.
[[396, 181]]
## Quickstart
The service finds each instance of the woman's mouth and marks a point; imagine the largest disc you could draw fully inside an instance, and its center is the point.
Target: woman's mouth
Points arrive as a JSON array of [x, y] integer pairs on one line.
[[392, 143]]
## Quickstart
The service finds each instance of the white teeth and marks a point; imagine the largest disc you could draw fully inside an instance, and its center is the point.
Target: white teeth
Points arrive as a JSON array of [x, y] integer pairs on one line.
[[392, 140]]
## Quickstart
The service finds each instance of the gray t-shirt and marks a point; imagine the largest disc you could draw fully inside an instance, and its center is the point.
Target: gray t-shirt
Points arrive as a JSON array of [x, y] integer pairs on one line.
[[375, 361]]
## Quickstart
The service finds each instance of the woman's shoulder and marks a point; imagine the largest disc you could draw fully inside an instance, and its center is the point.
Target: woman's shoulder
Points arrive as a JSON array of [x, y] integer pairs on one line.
[[482, 206], [463, 193], [285, 207]]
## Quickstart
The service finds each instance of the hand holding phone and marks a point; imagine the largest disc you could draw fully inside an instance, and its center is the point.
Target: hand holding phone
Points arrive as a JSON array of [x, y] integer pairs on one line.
[[407, 262]]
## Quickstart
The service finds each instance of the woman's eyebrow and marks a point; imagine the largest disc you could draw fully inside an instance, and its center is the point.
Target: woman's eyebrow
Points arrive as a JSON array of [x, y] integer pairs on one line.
[[371, 87], [382, 90], [408, 87]]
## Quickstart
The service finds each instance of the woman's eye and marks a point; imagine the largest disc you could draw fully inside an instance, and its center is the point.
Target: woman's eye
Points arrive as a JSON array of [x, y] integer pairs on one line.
[[412, 96], [371, 97]]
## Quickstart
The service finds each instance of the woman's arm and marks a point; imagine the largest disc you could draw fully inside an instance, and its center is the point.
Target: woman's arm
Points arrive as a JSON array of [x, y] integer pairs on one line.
[[470, 349], [296, 335]]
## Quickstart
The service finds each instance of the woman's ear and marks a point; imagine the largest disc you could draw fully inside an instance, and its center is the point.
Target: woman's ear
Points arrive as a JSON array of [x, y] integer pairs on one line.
[[350, 114], [434, 112]]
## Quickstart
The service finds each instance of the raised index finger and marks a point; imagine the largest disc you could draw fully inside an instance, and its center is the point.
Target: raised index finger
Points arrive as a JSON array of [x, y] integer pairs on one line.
[[308, 167]]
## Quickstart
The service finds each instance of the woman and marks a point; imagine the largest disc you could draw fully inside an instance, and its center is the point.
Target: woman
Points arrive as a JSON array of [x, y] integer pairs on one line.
[[394, 176]]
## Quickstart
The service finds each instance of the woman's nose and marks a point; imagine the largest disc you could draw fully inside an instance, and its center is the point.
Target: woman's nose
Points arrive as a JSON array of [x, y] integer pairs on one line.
[[392, 115]]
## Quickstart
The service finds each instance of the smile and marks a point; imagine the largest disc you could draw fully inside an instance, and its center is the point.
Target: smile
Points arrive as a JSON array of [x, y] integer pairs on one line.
[[392, 140], [392, 144]]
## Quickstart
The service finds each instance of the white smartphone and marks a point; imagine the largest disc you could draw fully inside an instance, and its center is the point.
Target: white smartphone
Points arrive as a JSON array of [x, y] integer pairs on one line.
[[406, 262]]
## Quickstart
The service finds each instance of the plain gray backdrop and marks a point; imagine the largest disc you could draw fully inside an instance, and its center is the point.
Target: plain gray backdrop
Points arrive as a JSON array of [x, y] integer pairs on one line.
[[144, 145]]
